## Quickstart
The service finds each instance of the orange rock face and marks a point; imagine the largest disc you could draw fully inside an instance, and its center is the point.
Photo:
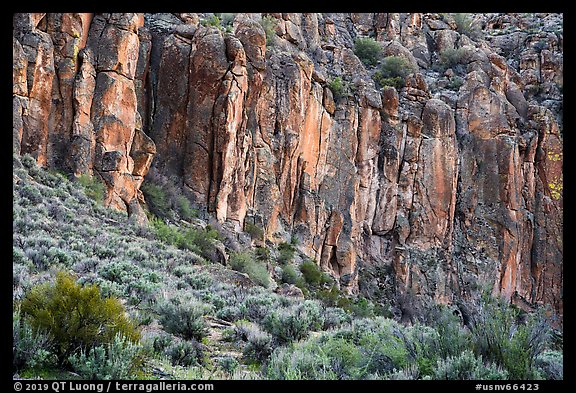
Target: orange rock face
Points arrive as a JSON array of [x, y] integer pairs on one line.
[[432, 190], [78, 102]]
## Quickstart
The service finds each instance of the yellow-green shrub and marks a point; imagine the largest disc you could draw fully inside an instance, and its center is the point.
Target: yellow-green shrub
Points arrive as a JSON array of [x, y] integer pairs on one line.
[[77, 318]]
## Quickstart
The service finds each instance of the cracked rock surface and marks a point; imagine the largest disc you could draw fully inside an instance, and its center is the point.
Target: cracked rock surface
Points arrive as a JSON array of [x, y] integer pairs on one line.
[[430, 191]]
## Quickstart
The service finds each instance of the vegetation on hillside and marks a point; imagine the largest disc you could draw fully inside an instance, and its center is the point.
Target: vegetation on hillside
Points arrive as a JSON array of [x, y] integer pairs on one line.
[[97, 296]]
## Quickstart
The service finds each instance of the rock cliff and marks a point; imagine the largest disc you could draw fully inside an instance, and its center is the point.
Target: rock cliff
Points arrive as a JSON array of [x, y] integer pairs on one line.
[[432, 190]]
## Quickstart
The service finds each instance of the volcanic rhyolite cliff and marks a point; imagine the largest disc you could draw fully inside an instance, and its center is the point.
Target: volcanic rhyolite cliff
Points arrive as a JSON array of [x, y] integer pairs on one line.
[[428, 192]]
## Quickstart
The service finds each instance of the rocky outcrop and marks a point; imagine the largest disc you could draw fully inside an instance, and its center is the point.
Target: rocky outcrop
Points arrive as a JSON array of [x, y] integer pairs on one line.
[[432, 191], [78, 103]]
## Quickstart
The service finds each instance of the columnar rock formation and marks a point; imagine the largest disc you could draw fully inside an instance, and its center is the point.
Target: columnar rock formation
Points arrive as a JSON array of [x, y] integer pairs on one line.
[[75, 98], [426, 192]]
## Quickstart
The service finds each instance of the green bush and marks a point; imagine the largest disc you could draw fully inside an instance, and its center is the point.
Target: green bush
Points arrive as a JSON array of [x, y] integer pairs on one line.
[[76, 317], [166, 233], [345, 357], [339, 87], [120, 359], [466, 366], [227, 18], [183, 316], [393, 72], [245, 262], [213, 20], [93, 187], [453, 339], [422, 343], [197, 240], [395, 82], [262, 254], [240, 261], [363, 308], [383, 342], [289, 274], [156, 199], [165, 199], [184, 208], [312, 273], [368, 51], [286, 253]]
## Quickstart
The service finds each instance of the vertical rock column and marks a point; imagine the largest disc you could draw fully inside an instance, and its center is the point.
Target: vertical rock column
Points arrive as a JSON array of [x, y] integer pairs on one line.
[[547, 247], [19, 93], [69, 34], [38, 67], [114, 41]]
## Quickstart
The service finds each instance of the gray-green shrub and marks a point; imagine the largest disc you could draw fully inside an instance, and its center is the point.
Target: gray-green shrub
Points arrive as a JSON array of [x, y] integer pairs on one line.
[[453, 338], [454, 58], [465, 25], [183, 316], [334, 317], [500, 336], [256, 307], [119, 359], [259, 346], [303, 362], [467, 366], [228, 364], [294, 323], [30, 348], [551, 364], [184, 353]]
